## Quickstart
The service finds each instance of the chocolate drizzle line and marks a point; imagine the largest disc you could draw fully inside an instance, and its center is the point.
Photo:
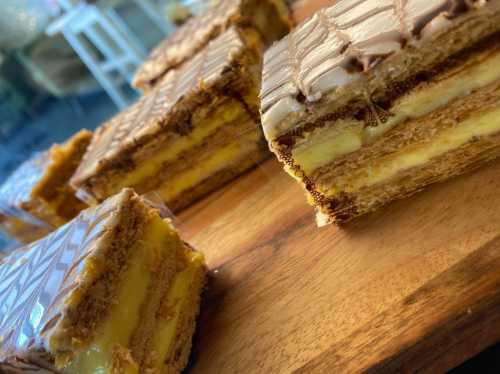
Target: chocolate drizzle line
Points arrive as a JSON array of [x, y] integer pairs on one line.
[[400, 9]]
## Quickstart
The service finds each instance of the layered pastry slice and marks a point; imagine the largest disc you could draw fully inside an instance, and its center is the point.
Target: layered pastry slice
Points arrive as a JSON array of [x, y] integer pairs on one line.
[[195, 131], [37, 197], [370, 101], [113, 291], [270, 18]]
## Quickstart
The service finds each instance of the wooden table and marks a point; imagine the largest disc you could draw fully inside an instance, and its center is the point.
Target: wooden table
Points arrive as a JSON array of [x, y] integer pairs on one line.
[[302, 9], [415, 286]]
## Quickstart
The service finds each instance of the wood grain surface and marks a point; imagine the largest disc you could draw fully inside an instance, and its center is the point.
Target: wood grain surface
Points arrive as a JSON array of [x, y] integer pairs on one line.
[[414, 287], [302, 9]]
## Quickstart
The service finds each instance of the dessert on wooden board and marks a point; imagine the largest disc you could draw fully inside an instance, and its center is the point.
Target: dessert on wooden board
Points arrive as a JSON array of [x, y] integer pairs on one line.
[[370, 101], [270, 18], [37, 197], [115, 290], [197, 129]]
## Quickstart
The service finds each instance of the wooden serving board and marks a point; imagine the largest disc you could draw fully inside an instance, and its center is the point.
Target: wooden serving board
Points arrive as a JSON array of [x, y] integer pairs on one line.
[[302, 9], [413, 287]]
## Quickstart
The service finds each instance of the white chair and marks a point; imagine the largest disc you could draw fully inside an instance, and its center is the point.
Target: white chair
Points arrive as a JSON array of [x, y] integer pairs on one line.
[[104, 43]]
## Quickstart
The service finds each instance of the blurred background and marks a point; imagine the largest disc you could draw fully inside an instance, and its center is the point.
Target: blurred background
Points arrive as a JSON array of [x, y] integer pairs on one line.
[[67, 65]]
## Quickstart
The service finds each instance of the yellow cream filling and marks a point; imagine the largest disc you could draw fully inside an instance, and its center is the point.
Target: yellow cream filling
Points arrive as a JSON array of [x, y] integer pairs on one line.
[[476, 126], [212, 164], [202, 128], [178, 302], [323, 146], [123, 320], [321, 151]]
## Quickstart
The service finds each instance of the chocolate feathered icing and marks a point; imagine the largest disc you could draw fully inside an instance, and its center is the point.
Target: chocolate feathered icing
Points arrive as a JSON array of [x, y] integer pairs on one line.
[[16, 190], [36, 281], [186, 40], [148, 115], [339, 43]]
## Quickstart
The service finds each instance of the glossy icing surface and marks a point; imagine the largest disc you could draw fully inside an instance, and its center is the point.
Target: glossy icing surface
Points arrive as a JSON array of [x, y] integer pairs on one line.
[[194, 34], [37, 281], [338, 44], [16, 190]]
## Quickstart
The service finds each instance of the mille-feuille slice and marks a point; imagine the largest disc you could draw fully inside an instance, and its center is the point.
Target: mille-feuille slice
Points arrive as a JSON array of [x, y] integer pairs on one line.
[[370, 101], [199, 128], [113, 291], [269, 18]]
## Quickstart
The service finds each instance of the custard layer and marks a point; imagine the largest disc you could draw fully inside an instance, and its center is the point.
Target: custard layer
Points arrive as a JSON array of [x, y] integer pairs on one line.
[[219, 160], [184, 283], [203, 127], [124, 318], [480, 125], [347, 136]]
